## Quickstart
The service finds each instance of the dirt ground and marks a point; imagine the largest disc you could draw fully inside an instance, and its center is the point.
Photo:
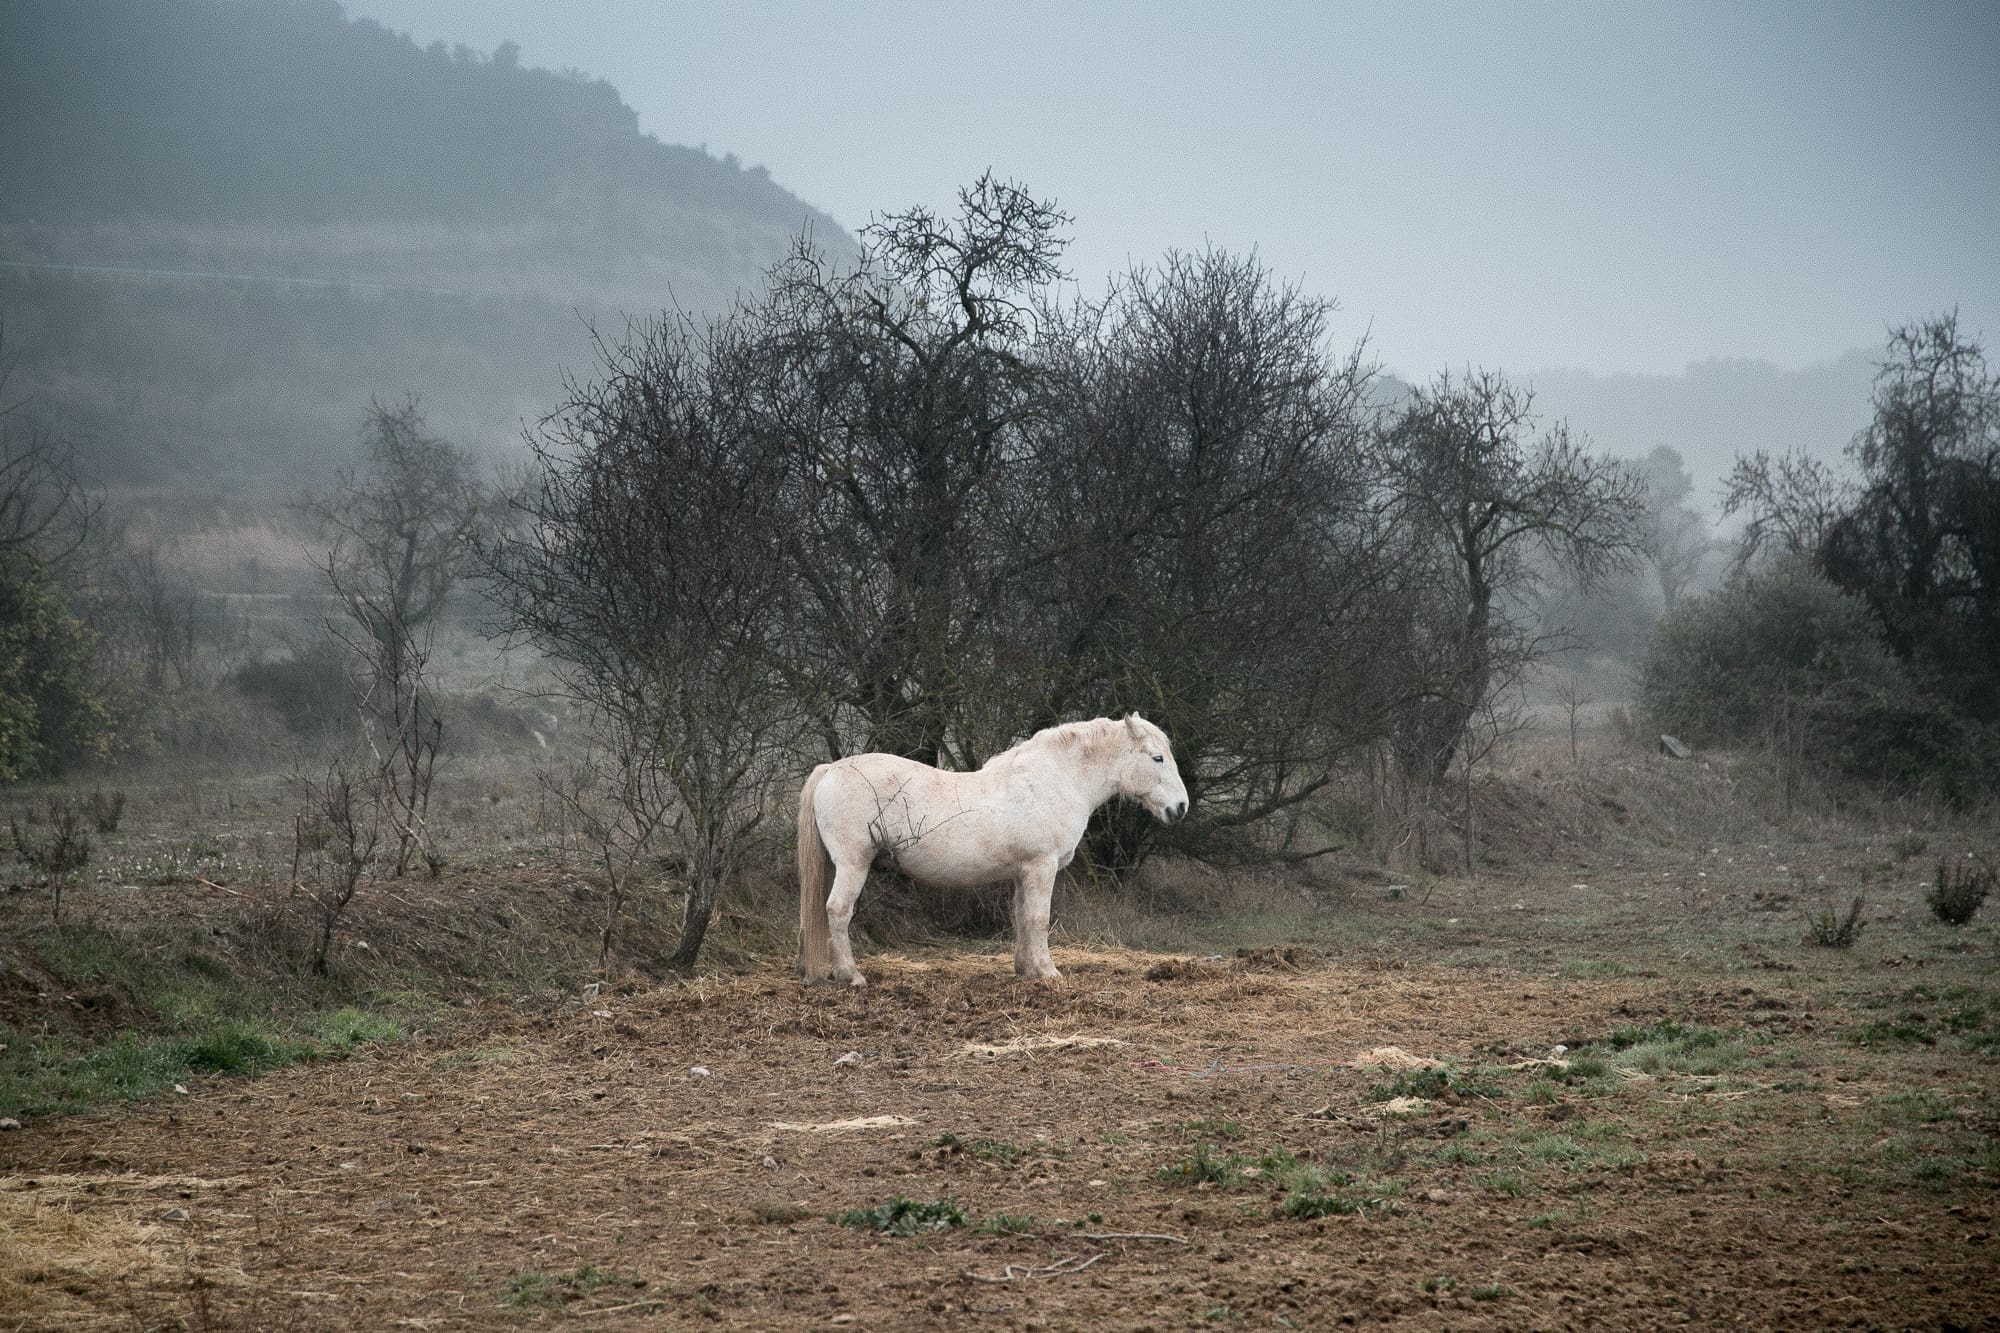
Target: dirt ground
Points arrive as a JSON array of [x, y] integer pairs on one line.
[[671, 1155]]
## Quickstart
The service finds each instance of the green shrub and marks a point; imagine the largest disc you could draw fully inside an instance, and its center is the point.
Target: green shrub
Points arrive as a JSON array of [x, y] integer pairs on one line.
[[55, 710]]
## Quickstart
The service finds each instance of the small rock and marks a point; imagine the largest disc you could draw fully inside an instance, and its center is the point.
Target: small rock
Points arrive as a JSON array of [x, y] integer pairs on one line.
[[181, 1088], [851, 1058], [593, 990], [175, 1215], [699, 1071], [1099, 1184], [600, 1013], [9, 1123], [1438, 1196], [1558, 1051], [770, 1162], [841, 1319]]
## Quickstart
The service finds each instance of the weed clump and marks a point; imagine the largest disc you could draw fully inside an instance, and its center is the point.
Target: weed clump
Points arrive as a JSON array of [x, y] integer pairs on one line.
[[1958, 891], [903, 1217], [1832, 930]]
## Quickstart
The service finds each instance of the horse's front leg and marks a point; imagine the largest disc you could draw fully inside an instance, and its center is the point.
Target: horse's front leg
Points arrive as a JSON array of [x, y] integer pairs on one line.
[[1033, 890]]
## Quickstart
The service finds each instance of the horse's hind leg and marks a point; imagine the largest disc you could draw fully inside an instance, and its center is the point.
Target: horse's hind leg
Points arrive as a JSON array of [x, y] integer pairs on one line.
[[1033, 890], [847, 882]]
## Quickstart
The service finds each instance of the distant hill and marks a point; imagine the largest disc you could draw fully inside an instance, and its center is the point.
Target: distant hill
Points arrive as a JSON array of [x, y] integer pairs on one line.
[[1716, 410], [224, 224]]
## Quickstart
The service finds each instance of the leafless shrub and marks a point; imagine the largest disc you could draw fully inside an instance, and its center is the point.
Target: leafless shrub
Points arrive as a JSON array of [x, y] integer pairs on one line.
[[335, 840], [57, 850]]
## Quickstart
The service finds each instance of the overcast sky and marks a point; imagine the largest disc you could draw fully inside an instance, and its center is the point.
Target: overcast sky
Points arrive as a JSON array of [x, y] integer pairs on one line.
[[1605, 186]]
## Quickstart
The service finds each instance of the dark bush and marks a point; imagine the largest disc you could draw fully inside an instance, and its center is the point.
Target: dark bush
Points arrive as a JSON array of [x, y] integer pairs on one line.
[[1783, 658], [308, 689]]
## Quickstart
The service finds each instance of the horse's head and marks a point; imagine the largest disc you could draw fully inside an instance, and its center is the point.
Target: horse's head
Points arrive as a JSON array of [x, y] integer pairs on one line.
[[1147, 772]]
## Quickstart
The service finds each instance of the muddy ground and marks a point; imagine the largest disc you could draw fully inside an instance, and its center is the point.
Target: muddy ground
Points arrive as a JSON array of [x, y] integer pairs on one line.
[[1742, 1128]]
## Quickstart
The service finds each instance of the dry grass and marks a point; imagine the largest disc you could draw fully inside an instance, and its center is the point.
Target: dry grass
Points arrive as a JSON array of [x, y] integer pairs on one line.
[[92, 1251]]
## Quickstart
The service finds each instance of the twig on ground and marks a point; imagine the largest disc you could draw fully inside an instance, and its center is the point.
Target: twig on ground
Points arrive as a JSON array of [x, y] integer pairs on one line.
[[1075, 1263]]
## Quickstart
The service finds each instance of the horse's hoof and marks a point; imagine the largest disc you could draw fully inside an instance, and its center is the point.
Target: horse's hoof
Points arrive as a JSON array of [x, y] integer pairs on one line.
[[858, 981]]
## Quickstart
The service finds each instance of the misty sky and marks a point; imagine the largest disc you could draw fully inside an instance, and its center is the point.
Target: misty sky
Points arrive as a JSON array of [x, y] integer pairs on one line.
[[1614, 187]]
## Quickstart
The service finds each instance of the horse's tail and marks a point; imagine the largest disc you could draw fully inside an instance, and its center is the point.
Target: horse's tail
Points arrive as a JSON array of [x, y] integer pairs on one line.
[[815, 883]]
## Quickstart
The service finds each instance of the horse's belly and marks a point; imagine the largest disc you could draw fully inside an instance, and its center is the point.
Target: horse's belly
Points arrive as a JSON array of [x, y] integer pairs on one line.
[[964, 865]]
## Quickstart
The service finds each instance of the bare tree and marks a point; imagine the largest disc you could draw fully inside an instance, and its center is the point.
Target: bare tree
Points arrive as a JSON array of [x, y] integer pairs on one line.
[[46, 506], [403, 530], [1791, 503], [1673, 538], [155, 612], [901, 385], [651, 569], [336, 834], [399, 536], [1921, 541], [1460, 460], [1201, 540], [617, 795]]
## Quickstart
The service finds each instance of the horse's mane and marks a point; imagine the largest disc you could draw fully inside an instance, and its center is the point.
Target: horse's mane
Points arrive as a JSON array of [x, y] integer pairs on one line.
[[1088, 735]]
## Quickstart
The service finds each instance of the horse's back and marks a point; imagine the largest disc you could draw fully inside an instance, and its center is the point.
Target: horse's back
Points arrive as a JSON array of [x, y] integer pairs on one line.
[[935, 825]]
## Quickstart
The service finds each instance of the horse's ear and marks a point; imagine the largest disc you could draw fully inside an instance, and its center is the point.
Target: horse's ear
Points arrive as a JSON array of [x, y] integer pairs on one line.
[[1136, 725]]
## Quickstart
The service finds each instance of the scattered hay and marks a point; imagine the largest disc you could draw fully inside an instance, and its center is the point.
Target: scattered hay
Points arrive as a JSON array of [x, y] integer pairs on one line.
[[1394, 1057], [57, 1265], [1023, 1045], [1400, 1106], [842, 1126]]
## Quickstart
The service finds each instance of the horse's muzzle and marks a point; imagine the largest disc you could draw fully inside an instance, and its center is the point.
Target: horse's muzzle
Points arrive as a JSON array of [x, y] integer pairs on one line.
[[1176, 812]]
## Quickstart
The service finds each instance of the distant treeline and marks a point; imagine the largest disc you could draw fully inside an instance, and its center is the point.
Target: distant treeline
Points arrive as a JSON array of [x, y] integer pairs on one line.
[[247, 386]]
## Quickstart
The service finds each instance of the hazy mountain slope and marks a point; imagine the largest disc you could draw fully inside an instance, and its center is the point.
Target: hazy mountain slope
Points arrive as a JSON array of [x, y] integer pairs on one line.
[[274, 213], [1716, 410]]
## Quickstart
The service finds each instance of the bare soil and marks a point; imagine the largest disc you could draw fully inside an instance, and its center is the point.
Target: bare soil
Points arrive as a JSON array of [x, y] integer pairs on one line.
[[669, 1154]]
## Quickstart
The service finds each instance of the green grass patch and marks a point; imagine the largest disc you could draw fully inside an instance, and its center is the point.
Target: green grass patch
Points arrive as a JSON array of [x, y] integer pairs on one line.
[[1915, 1108], [537, 1288], [1674, 1048], [1213, 1129], [1460, 1154], [1007, 1224], [1204, 1166], [1442, 1083], [1891, 1032], [183, 1013]]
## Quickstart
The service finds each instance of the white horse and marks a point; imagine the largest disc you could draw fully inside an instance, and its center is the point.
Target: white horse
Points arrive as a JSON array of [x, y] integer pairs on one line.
[[1018, 818]]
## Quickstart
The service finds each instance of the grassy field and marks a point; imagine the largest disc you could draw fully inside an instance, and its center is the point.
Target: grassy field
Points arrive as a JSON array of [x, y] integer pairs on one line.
[[1609, 1079]]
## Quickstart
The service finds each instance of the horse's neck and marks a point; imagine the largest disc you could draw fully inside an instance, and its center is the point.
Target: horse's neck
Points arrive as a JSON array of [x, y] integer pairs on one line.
[[1085, 773]]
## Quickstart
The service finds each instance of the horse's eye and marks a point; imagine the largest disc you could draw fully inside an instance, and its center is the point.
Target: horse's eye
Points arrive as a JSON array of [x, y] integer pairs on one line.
[[1159, 759]]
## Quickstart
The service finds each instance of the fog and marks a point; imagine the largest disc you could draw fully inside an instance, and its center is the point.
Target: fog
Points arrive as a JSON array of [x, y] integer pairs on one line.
[[232, 233]]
